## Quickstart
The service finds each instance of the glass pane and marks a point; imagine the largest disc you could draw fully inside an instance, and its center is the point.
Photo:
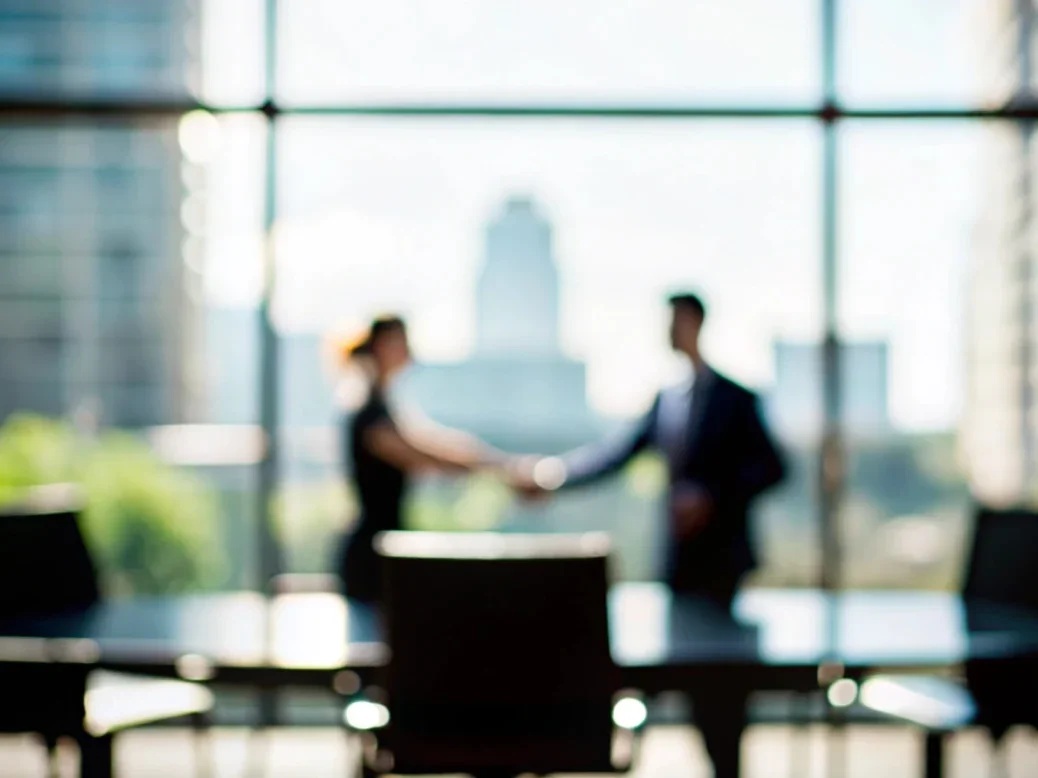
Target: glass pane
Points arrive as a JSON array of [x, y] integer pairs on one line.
[[930, 282], [159, 49], [548, 347], [467, 51], [934, 52], [233, 66], [108, 246]]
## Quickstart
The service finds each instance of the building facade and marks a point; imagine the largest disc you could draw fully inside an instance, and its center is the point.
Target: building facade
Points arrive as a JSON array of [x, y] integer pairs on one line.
[[98, 308], [999, 432]]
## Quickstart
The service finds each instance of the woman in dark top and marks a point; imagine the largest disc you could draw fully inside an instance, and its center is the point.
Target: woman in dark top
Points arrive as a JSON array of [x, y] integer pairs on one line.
[[384, 454]]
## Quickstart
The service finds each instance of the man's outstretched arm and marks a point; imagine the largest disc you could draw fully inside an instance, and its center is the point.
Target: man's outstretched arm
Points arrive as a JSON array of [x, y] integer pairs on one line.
[[599, 460]]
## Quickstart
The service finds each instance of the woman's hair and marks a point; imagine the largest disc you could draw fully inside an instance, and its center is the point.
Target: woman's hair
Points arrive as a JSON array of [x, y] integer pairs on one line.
[[363, 344]]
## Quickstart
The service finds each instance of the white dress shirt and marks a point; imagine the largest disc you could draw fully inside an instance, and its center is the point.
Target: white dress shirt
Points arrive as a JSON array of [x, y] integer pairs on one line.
[[675, 421]]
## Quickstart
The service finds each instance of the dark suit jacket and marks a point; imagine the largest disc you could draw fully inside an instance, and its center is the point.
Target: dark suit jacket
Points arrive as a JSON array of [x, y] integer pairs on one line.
[[729, 453]]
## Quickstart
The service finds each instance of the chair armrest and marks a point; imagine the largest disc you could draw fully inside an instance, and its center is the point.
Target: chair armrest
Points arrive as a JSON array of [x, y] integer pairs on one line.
[[117, 702], [929, 701]]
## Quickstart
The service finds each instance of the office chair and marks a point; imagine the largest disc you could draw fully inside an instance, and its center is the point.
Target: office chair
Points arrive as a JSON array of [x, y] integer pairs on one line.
[[998, 693], [500, 660], [46, 570]]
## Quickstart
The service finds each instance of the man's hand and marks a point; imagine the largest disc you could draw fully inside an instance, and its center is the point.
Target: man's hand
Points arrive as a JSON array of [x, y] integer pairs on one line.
[[691, 509], [519, 475]]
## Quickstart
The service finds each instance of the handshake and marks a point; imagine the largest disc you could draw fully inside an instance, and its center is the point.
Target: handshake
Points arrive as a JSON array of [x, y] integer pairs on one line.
[[533, 477]]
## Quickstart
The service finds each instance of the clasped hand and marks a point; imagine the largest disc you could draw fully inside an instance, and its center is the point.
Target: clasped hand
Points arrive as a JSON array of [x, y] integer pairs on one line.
[[526, 475]]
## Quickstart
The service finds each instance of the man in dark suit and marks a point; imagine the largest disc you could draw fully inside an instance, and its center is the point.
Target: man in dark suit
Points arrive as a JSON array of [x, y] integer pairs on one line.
[[720, 458]]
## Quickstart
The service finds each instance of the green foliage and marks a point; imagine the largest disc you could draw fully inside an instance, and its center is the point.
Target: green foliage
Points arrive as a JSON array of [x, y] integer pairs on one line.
[[482, 505], [152, 528], [473, 504], [310, 519], [34, 451], [908, 475], [647, 476], [430, 511]]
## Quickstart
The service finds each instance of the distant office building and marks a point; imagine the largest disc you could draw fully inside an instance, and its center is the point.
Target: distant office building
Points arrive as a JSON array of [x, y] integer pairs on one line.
[[796, 404], [518, 292], [518, 390], [99, 48], [307, 382], [96, 305], [306, 388], [232, 366], [999, 433]]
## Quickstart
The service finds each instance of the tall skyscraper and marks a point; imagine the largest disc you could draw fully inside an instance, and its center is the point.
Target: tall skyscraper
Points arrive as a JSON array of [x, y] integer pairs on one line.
[[99, 48], [96, 304], [518, 390], [518, 295], [999, 432]]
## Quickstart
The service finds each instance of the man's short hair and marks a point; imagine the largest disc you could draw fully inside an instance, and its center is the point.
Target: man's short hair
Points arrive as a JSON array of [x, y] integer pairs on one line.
[[688, 301]]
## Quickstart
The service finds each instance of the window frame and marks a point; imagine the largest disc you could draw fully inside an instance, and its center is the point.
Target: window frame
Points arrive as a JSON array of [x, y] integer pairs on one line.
[[827, 112]]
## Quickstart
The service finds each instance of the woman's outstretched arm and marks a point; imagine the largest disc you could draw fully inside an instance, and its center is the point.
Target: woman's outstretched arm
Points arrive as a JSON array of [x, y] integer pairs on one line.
[[424, 450]]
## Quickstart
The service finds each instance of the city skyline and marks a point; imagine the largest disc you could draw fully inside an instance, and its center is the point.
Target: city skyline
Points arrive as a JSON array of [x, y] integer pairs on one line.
[[640, 206], [378, 208], [516, 390], [909, 195], [618, 256]]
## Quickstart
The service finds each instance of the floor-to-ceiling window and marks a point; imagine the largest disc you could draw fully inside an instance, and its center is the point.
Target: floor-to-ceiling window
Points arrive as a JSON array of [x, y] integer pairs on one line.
[[197, 198]]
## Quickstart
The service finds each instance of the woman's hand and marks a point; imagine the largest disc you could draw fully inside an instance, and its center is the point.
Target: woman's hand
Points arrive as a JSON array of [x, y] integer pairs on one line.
[[518, 472]]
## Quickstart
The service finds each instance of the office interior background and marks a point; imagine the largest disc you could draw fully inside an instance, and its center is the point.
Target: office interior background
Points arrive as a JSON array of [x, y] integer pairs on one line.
[[197, 196]]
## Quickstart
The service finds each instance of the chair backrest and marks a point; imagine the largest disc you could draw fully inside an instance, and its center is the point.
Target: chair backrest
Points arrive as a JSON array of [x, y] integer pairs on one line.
[[45, 567], [497, 619], [1003, 563], [1003, 569]]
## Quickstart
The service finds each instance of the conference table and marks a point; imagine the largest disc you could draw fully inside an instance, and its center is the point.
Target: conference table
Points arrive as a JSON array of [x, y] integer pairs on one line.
[[792, 640], [773, 639]]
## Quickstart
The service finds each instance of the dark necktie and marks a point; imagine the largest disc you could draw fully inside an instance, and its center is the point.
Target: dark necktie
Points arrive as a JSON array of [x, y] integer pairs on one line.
[[696, 405]]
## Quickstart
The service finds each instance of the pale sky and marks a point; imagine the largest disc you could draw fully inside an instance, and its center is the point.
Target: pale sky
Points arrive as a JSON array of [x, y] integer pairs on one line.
[[382, 213]]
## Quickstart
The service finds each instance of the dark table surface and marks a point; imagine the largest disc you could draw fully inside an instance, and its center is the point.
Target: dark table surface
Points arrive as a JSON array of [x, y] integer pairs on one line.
[[308, 638]]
